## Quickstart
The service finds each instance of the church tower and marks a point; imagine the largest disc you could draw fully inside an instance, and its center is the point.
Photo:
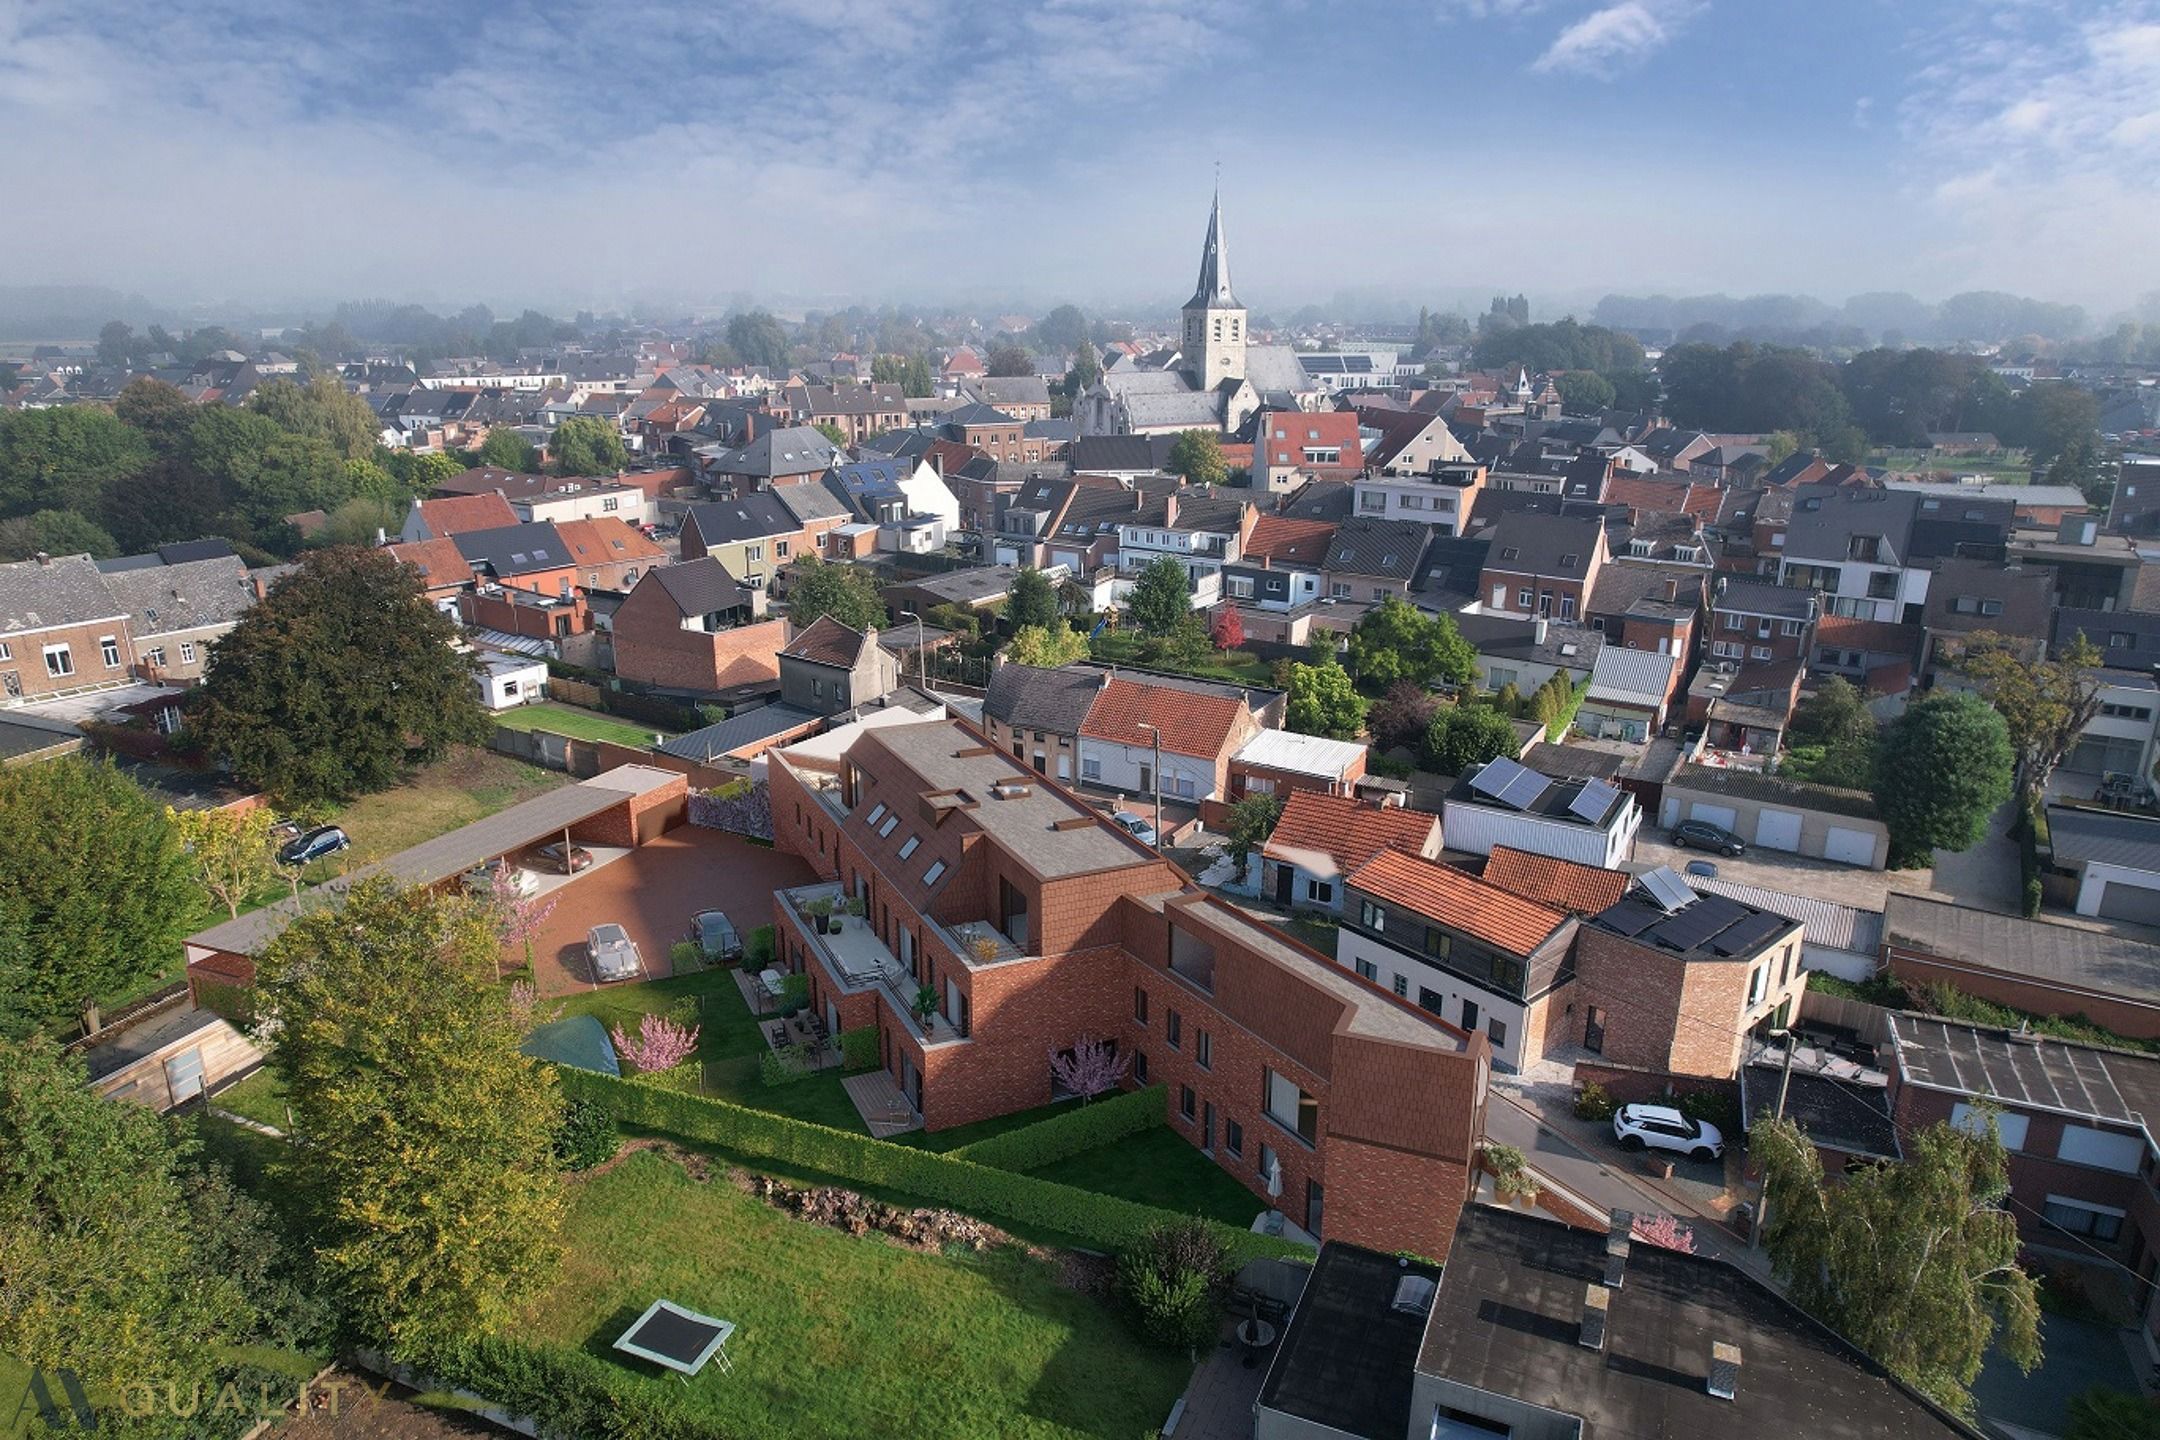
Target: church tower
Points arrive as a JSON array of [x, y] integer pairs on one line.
[[1214, 340]]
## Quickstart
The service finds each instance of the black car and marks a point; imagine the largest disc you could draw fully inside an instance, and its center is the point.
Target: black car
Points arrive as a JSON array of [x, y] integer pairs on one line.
[[305, 849], [1702, 835]]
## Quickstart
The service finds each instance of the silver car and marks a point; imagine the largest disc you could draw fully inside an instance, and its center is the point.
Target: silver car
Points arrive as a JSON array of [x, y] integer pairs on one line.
[[614, 954]]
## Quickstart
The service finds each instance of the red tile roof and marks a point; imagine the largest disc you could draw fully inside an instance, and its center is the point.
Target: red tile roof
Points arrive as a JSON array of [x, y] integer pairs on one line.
[[1348, 831], [1192, 723], [606, 540], [460, 514], [1562, 884], [1337, 428], [826, 642], [1463, 902], [440, 563], [1287, 540]]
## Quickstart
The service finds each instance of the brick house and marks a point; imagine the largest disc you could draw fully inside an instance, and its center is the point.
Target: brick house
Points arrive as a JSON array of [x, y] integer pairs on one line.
[[454, 514], [609, 555], [177, 612], [1001, 436], [1198, 732], [830, 667], [1321, 839], [754, 537], [1373, 559], [1292, 446], [1024, 397], [1276, 762], [1035, 924], [442, 568], [857, 411], [520, 557], [694, 627], [1542, 564], [61, 629], [2037, 966], [1753, 621]]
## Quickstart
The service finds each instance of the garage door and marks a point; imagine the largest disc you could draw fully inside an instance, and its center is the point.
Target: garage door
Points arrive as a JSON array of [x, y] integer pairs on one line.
[[1778, 830], [2130, 902], [1849, 847], [1722, 816]]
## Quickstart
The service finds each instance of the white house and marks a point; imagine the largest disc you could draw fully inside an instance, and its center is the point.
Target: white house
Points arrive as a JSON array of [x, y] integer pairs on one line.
[[1441, 499], [586, 500], [1591, 822], [508, 681]]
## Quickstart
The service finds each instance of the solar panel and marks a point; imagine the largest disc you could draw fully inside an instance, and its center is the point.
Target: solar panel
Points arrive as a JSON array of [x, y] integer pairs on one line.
[[1749, 934], [1494, 777], [1667, 889], [1594, 801], [1525, 790], [1688, 929]]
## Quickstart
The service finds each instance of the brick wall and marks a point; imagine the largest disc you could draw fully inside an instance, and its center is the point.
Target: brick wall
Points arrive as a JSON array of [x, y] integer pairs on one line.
[[1630, 1085], [639, 819], [24, 675], [655, 649], [1666, 1012], [2125, 1016]]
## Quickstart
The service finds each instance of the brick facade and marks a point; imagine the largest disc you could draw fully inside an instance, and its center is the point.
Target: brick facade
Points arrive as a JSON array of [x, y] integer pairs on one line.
[[651, 646], [78, 653], [2125, 1015], [1667, 1012]]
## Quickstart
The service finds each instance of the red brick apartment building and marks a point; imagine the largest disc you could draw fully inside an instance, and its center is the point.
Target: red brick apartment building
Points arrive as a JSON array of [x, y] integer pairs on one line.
[[1034, 923]]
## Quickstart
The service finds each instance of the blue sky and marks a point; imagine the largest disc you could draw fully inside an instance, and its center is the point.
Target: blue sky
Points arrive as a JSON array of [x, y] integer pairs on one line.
[[816, 151]]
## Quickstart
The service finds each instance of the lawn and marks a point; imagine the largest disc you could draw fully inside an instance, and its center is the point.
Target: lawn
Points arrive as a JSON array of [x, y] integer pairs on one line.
[[1157, 1167], [576, 723], [840, 1335], [467, 785], [260, 1097]]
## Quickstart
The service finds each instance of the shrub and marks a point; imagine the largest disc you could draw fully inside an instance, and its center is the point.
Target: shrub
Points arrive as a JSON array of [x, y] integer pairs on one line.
[[759, 947], [568, 1391], [1715, 1106], [859, 1049], [1510, 1170], [662, 1043], [1173, 1280], [785, 1065], [794, 993], [1076, 1131], [586, 1137], [1104, 1221], [1594, 1102], [2100, 1414], [686, 957], [2032, 896]]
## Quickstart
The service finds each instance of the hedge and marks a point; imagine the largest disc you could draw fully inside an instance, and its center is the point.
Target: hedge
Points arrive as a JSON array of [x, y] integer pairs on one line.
[[965, 1185], [567, 1391], [1080, 1128]]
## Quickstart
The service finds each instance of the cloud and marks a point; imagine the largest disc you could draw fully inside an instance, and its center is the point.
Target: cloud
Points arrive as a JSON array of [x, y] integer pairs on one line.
[[1613, 37]]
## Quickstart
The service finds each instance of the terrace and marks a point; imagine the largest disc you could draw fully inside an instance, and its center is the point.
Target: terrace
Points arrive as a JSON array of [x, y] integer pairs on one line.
[[855, 955]]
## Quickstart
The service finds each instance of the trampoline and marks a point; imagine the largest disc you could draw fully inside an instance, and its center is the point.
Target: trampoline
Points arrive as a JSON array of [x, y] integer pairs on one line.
[[682, 1340]]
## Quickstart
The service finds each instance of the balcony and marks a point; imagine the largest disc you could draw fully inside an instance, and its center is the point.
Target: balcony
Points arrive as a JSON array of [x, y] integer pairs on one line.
[[860, 961]]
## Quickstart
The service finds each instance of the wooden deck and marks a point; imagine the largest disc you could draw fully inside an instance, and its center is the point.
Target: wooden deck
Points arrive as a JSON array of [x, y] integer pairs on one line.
[[879, 1101]]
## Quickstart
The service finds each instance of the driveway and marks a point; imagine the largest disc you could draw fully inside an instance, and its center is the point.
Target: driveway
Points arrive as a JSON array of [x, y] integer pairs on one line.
[[652, 892], [2076, 1356]]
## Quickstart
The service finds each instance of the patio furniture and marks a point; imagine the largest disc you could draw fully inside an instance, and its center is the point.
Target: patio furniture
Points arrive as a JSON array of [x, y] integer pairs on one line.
[[1255, 1335], [678, 1338], [774, 982]]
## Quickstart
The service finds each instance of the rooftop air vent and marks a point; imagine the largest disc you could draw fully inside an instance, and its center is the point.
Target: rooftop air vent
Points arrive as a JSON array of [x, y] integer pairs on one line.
[[1413, 1295]]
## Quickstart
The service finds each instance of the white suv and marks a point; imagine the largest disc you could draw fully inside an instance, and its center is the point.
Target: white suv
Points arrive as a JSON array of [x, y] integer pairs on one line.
[[1660, 1127]]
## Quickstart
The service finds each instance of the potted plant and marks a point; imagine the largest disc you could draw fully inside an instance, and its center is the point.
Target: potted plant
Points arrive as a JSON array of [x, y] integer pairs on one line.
[[925, 1004], [857, 906], [1510, 1170], [820, 913], [983, 948]]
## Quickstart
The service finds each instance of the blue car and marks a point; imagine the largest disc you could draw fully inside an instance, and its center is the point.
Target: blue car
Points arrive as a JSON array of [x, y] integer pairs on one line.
[[313, 845]]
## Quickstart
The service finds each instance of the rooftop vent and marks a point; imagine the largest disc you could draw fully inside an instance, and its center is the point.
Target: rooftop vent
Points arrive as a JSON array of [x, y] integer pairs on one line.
[[1619, 1238], [1596, 1301], [1724, 1381], [1011, 790]]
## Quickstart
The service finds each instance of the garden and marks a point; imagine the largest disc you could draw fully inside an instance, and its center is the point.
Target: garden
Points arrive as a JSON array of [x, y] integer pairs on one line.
[[578, 724]]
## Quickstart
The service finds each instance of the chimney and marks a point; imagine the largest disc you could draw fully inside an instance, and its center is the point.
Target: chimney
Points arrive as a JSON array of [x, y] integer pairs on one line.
[[1169, 516], [1595, 1302], [1107, 677], [1619, 1239], [1672, 588], [42, 558], [1537, 630], [1724, 1382]]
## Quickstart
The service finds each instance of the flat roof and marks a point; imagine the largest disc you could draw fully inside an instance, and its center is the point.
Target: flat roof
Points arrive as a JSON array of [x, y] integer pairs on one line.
[[1348, 1360], [433, 861], [2064, 954], [1300, 754], [1840, 1116], [2079, 835], [2034, 1072]]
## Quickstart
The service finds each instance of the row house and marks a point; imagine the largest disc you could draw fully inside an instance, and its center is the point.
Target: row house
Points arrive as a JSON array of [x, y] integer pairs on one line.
[[830, 667], [1293, 446], [1754, 622], [176, 612], [1081, 723], [1442, 497], [1976, 597], [448, 515], [520, 557], [1001, 436], [1369, 560], [857, 411], [1410, 443], [754, 537], [61, 629], [1281, 563], [608, 554], [1023, 397], [1854, 544], [1202, 529], [1036, 926], [1321, 839], [1542, 565]]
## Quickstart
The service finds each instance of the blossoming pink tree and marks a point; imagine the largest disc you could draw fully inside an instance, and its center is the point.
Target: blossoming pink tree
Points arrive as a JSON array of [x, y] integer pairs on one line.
[[1090, 1067], [518, 917], [662, 1044]]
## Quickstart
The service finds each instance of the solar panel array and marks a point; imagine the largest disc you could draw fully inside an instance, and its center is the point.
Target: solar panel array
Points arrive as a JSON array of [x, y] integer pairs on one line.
[[1667, 889], [1507, 783], [1594, 802]]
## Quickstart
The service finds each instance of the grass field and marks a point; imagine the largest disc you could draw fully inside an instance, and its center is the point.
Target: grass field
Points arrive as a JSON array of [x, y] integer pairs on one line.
[[1158, 1167], [467, 785], [2012, 466], [578, 724], [839, 1335]]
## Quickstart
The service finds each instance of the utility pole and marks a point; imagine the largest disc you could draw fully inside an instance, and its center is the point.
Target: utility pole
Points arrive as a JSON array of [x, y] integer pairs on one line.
[[1762, 1199], [1156, 774]]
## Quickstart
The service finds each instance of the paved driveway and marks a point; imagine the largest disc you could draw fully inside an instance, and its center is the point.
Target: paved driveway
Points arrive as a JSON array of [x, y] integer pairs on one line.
[[652, 892], [2076, 1356]]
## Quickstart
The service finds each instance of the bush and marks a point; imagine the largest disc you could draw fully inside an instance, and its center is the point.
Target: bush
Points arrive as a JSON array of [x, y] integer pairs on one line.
[[785, 1065], [2100, 1414], [1594, 1102], [859, 1049], [586, 1137], [1173, 1279], [1080, 1129], [759, 947], [568, 1391], [686, 957], [794, 993], [1100, 1220], [2032, 896], [1715, 1106]]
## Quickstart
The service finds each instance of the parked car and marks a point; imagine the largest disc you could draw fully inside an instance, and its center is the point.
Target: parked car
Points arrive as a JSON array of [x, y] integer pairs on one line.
[[567, 858], [313, 845], [715, 935], [1702, 835], [1704, 868], [614, 954], [1134, 826], [481, 879], [1660, 1127]]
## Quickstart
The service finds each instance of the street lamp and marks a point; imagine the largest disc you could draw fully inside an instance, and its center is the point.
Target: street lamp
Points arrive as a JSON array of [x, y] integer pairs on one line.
[[922, 657], [1157, 774]]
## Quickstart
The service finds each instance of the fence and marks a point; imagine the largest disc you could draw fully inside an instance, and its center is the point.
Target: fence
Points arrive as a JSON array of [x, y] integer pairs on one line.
[[1870, 1022], [574, 692]]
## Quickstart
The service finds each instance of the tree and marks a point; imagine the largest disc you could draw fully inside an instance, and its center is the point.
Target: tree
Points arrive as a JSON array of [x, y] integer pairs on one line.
[[587, 445], [1086, 370], [420, 473], [910, 372], [1562, 345], [55, 532], [93, 880], [66, 457], [1916, 1262], [1227, 630], [660, 1046], [1049, 648], [1091, 1067], [229, 851], [1063, 329], [2085, 465], [1197, 456], [2045, 704], [115, 343], [1008, 360], [759, 339], [157, 410], [848, 593], [96, 1237], [337, 680], [1943, 768], [2099, 1414], [1835, 712], [358, 521], [321, 410], [1161, 597], [1634, 390], [1463, 736], [1402, 715], [505, 449], [1396, 641], [1584, 392], [1324, 702], [2050, 417], [426, 1164], [1031, 600], [1251, 821]]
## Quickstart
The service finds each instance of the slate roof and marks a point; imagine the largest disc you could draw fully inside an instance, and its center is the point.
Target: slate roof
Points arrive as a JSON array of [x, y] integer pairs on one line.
[[1759, 597], [1118, 453], [1192, 723], [1388, 549], [1331, 500], [976, 415], [827, 642], [1458, 900], [1559, 546], [1328, 835], [189, 596], [1053, 701], [515, 549], [1008, 389], [62, 590], [1555, 883], [2093, 960], [2081, 836], [1507, 637], [698, 587], [790, 450], [2024, 598], [753, 517], [1825, 519]]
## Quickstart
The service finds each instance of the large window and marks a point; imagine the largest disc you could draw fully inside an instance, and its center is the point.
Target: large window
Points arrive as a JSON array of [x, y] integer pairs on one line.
[[2099, 1222], [59, 660], [1292, 1108], [1192, 958]]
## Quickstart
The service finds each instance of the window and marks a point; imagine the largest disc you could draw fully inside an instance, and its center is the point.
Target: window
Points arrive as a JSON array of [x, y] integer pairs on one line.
[[156, 657], [1292, 1108], [109, 647], [1174, 1029], [1499, 677], [935, 873], [1187, 1102], [780, 549], [1371, 916], [1233, 1139], [1402, 987], [1368, 971], [59, 660], [1496, 1031], [1139, 1067], [907, 848], [1269, 1165], [610, 504], [1438, 942], [2100, 1222], [876, 814], [2106, 1149], [1759, 652], [886, 829], [1757, 982], [1203, 1050], [6, 651], [1790, 627], [1090, 768], [1525, 598], [1139, 1005], [753, 552], [1321, 891]]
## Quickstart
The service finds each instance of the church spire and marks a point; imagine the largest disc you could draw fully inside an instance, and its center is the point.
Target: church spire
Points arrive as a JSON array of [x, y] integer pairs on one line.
[[1213, 291]]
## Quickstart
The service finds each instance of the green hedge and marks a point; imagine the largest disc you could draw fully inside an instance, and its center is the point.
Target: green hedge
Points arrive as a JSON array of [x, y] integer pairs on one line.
[[1080, 1128], [1101, 1220], [567, 1391], [859, 1049]]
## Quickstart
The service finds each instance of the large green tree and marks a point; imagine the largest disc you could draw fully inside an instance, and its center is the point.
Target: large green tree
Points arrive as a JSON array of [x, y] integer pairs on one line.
[[910, 372], [1161, 598], [1049, 647], [759, 339], [1584, 392], [848, 593], [2045, 704], [1008, 360], [1562, 345], [94, 881], [323, 410], [425, 1139], [55, 532], [1323, 701], [1063, 329], [505, 449], [1396, 641], [65, 458], [1916, 1263], [1462, 736], [1942, 769], [1197, 455], [337, 680], [1031, 601], [587, 445]]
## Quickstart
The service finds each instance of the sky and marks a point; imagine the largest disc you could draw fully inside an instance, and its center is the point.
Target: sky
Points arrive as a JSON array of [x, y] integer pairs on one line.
[[808, 153]]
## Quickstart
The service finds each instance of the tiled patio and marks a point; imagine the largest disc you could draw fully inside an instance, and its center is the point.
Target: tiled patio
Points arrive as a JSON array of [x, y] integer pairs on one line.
[[879, 1101], [1220, 1399], [796, 1030]]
